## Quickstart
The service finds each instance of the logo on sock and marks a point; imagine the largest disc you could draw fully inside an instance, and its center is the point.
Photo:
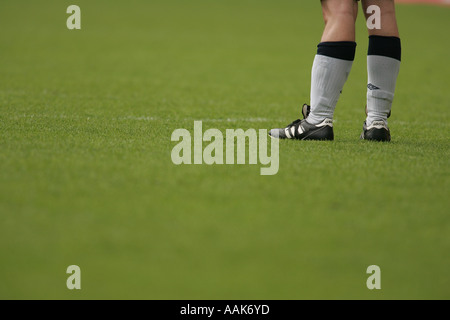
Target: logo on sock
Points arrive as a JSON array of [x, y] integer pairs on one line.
[[372, 87]]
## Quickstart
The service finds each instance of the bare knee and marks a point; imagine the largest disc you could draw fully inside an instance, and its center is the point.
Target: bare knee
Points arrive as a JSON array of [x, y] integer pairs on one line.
[[339, 11], [339, 17]]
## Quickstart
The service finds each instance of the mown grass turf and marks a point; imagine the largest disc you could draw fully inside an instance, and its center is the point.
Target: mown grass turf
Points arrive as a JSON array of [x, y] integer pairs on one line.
[[86, 176]]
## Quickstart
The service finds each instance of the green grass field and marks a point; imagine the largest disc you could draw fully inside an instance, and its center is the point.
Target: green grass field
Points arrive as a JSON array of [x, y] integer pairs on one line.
[[86, 176]]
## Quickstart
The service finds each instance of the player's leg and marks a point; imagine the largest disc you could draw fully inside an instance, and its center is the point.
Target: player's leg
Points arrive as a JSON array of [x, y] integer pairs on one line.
[[331, 67], [383, 64], [334, 59]]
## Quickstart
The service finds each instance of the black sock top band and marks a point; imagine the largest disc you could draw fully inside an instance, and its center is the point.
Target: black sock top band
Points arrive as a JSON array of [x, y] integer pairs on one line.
[[385, 46], [344, 50]]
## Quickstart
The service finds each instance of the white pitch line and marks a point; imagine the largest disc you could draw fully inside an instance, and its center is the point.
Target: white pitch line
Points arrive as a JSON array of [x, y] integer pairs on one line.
[[441, 124], [140, 118]]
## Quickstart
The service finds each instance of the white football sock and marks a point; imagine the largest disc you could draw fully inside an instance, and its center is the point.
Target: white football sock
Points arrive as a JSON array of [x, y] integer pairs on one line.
[[383, 64], [327, 80], [382, 77]]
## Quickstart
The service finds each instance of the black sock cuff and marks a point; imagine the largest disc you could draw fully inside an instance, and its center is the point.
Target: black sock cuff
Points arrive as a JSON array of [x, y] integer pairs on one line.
[[385, 46], [344, 50]]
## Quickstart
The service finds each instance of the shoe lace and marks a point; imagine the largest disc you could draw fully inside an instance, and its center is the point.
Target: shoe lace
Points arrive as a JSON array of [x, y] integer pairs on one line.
[[293, 123], [305, 112]]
